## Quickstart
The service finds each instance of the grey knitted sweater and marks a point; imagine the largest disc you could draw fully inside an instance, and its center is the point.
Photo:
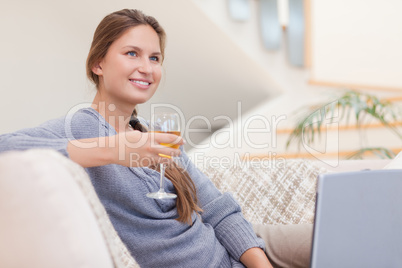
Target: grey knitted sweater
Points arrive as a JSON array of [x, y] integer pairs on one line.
[[147, 226]]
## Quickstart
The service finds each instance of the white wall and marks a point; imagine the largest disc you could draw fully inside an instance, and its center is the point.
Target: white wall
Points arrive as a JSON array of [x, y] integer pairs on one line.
[[357, 42], [42, 60]]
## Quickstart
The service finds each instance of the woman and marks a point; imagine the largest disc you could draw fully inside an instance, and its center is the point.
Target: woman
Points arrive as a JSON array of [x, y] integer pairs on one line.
[[202, 228]]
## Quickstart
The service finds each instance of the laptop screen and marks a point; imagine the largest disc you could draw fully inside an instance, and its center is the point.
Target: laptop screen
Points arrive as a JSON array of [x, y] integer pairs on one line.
[[358, 220]]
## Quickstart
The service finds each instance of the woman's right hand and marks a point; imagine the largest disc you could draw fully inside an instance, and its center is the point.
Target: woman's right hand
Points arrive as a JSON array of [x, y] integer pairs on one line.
[[143, 149], [131, 149]]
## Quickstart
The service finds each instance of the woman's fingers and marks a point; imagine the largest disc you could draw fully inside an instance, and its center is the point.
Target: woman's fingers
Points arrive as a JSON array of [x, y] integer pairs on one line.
[[145, 149], [167, 145], [167, 138]]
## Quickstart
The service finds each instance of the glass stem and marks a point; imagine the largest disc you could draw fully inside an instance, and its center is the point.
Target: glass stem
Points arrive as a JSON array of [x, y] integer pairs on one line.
[[162, 167]]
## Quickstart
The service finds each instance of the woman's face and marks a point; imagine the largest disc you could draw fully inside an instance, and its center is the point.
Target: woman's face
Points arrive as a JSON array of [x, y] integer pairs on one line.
[[131, 70]]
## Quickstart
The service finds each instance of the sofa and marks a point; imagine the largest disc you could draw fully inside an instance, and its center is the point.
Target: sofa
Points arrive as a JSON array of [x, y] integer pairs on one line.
[[52, 217]]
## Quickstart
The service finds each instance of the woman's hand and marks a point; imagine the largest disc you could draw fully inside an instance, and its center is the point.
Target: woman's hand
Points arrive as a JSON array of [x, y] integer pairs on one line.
[[142, 149], [131, 149]]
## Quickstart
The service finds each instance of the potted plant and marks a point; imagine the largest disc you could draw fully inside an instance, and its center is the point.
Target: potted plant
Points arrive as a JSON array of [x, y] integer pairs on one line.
[[351, 105]]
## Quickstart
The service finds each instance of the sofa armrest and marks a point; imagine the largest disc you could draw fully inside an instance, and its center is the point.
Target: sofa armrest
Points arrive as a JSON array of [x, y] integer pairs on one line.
[[45, 219], [52, 217]]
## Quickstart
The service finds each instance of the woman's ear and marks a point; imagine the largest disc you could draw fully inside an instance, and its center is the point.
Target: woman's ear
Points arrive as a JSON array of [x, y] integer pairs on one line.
[[97, 69]]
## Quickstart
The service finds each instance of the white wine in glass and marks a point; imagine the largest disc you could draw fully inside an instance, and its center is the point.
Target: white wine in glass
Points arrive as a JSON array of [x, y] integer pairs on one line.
[[164, 123]]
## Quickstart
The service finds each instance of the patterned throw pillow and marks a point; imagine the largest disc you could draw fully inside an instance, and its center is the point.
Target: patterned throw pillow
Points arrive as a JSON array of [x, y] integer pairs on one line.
[[283, 193]]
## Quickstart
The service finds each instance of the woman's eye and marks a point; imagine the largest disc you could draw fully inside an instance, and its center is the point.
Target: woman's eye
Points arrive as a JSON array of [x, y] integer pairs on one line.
[[132, 53], [154, 58]]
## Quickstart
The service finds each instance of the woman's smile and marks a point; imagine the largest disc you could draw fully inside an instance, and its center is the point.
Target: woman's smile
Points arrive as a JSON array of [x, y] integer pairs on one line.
[[141, 83]]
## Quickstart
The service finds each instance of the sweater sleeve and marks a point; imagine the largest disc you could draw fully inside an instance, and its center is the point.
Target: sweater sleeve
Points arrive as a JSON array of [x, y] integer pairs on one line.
[[53, 134], [223, 213], [37, 137]]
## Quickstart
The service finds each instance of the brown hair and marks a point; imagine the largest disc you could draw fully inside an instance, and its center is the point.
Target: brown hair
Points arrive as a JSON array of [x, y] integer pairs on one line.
[[110, 29]]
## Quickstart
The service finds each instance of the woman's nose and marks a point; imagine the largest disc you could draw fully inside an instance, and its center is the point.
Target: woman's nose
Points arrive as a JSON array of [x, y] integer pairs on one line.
[[145, 66]]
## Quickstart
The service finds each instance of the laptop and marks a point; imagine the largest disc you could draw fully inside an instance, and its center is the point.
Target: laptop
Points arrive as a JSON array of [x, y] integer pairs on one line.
[[358, 220]]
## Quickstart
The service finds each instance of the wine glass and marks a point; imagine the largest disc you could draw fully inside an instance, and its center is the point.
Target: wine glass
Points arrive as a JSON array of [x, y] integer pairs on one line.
[[164, 123]]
